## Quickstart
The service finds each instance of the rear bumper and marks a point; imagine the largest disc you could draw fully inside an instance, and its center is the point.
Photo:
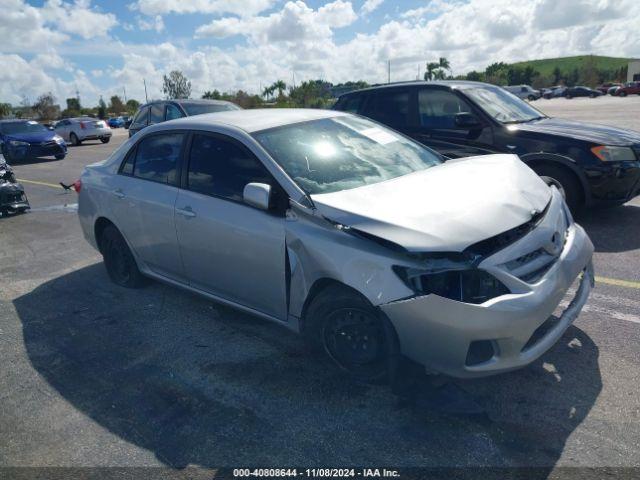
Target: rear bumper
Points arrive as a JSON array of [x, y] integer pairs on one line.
[[96, 134], [438, 332]]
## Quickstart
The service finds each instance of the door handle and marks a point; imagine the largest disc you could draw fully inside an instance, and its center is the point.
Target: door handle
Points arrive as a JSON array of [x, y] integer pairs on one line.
[[119, 193], [186, 212]]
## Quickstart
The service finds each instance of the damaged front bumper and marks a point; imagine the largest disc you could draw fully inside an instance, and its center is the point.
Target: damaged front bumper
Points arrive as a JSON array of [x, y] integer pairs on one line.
[[12, 197], [502, 334]]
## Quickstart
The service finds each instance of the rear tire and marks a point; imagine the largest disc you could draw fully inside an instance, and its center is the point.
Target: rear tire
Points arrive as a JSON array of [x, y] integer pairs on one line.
[[531, 98], [357, 337], [622, 94], [568, 96], [105, 140], [75, 141], [118, 259], [564, 181], [60, 157]]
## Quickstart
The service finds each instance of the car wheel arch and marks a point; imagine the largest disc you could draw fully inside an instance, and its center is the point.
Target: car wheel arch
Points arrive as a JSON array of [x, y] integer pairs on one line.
[[99, 226], [534, 160], [318, 287]]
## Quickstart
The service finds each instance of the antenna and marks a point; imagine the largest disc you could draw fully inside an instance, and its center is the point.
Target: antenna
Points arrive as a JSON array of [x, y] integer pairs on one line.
[[145, 90], [388, 71], [124, 90]]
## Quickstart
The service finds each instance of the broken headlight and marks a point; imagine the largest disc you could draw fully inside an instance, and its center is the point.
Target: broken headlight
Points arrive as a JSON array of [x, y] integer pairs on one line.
[[467, 285]]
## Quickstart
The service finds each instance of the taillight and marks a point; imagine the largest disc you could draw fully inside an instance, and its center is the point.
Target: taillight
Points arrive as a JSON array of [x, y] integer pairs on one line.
[[77, 185], [83, 125]]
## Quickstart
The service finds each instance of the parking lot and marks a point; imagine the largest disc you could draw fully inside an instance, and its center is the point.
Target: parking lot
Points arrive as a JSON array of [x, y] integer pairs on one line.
[[98, 375]]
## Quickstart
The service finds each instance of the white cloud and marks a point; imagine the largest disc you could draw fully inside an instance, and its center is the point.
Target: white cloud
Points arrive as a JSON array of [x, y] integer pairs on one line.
[[370, 5], [237, 7], [296, 22], [156, 23], [78, 18]]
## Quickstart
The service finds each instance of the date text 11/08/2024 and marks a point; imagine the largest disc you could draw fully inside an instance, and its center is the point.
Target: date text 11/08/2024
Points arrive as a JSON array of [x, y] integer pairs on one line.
[[316, 472]]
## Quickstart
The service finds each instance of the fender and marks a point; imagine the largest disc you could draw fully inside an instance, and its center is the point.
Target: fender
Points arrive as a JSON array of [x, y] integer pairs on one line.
[[553, 158]]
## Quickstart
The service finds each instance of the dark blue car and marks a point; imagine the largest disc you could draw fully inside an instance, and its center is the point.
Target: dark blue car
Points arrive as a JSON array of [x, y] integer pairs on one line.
[[21, 139]]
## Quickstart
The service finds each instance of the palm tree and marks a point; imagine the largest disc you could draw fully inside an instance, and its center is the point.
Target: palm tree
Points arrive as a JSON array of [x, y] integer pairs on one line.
[[268, 91], [431, 68], [444, 64], [280, 86]]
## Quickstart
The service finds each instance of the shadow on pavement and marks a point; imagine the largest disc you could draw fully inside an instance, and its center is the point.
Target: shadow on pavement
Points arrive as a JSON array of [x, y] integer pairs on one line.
[[197, 383], [613, 229]]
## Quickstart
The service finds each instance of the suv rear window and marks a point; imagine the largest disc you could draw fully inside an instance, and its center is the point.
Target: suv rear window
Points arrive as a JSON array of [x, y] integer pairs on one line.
[[389, 107]]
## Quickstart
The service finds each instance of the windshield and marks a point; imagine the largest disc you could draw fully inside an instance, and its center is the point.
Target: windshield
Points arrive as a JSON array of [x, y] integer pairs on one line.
[[12, 128], [503, 106], [200, 108], [344, 152]]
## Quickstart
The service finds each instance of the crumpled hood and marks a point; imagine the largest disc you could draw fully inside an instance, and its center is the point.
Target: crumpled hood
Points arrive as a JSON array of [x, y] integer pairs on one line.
[[590, 132], [444, 208]]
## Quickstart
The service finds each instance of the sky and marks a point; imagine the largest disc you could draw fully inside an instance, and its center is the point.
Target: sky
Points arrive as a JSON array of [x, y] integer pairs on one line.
[[107, 47]]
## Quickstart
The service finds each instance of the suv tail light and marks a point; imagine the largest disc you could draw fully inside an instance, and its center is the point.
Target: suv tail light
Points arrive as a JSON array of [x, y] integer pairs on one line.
[[83, 125], [77, 185]]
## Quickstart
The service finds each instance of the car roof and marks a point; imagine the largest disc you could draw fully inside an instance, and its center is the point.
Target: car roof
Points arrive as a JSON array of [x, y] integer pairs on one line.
[[422, 83], [193, 101], [254, 120]]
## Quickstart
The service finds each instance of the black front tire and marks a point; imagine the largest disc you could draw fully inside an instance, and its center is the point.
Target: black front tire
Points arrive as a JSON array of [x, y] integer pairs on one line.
[[531, 98], [356, 337], [105, 140], [118, 259], [566, 182], [60, 157], [622, 94]]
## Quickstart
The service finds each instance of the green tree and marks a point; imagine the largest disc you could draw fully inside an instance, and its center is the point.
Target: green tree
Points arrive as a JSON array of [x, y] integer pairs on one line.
[[212, 95], [132, 106], [267, 92], [116, 105], [431, 68], [102, 109], [557, 75], [280, 86], [176, 85], [474, 76], [45, 107], [5, 110], [73, 104]]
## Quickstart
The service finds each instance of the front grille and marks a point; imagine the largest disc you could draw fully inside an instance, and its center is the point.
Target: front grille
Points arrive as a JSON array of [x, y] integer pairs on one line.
[[532, 266], [494, 244]]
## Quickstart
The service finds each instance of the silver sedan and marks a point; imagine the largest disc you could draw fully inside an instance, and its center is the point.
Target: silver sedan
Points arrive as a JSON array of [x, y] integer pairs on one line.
[[77, 130], [364, 241]]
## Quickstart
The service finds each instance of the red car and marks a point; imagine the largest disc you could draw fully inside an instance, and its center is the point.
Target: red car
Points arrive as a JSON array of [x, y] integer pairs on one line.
[[604, 88], [628, 89]]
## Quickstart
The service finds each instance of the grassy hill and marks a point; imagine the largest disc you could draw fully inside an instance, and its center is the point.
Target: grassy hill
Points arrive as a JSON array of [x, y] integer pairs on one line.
[[566, 64]]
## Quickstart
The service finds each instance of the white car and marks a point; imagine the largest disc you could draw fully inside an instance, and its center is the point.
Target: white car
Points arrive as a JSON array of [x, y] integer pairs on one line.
[[77, 130], [350, 233], [524, 92]]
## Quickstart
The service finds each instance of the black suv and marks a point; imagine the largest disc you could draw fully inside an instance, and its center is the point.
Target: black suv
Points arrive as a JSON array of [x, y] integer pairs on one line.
[[590, 164], [160, 111]]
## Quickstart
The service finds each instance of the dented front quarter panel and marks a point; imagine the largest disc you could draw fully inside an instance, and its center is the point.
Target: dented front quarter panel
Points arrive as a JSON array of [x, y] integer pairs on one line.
[[318, 250]]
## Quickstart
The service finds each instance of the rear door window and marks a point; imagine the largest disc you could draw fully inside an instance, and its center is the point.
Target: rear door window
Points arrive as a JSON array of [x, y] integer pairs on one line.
[[222, 168], [156, 115], [389, 107], [141, 119], [438, 108], [157, 157], [350, 104], [173, 112]]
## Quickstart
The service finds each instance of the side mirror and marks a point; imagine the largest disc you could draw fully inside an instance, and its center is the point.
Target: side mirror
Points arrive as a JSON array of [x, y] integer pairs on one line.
[[466, 120], [257, 195]]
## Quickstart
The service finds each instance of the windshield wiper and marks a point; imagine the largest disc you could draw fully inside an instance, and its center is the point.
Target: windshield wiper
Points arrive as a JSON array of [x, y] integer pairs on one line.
[[524, 121]]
